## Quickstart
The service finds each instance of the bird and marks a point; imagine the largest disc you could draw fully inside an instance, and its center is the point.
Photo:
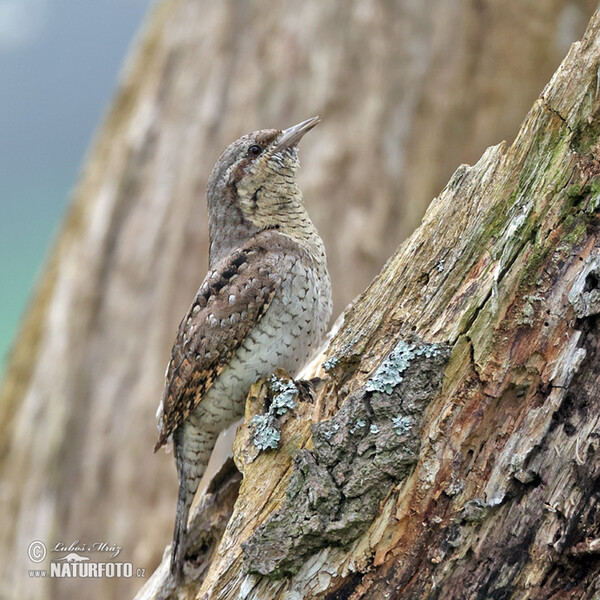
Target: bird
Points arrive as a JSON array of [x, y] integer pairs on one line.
[[264, 304]]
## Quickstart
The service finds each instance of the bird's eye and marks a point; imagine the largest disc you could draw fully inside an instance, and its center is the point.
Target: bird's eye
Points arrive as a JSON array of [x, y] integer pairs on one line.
[[255, 150]]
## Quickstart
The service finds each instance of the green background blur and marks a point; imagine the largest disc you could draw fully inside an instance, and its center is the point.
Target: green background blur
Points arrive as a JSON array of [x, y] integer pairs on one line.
[[59, 64]]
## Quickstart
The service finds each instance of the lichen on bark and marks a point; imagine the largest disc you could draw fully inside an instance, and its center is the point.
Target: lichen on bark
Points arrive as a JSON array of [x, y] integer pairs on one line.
[[371, 444], [282, 392]]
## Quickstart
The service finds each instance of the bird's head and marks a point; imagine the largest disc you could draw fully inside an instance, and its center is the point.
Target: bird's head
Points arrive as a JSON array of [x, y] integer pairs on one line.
[[253, 187]]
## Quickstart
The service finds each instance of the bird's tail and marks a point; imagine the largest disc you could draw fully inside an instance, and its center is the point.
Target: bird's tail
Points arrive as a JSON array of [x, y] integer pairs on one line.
[[184, 501], [193, 446]]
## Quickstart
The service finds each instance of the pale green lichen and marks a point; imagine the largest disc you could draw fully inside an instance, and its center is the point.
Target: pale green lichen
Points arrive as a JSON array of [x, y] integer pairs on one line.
[[286, 394], [335, 488], [266, 435], [401, 424], [360, 423], [331, 363], [389, 374]]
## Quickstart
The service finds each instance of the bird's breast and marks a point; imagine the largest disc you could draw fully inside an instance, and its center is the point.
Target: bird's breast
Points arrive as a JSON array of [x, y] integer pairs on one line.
[[286, 336]]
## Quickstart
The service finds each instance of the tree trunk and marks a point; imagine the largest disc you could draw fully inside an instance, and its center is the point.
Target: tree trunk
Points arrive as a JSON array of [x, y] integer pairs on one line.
[[452, 449], [406, 91]]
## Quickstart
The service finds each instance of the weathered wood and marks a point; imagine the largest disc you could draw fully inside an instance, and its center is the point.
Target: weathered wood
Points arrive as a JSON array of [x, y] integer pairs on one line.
[[502, 502], [406, 91]]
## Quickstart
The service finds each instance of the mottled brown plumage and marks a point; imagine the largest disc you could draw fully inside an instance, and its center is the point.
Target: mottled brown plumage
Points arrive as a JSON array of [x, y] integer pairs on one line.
[[215, 327], [265, 303]]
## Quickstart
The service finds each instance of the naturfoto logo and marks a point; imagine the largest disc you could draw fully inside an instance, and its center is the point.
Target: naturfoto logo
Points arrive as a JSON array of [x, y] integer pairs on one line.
[[74, 562]]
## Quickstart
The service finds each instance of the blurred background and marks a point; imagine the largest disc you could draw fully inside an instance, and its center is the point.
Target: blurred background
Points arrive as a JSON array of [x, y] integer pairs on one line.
[[59, 63], [407, 92]]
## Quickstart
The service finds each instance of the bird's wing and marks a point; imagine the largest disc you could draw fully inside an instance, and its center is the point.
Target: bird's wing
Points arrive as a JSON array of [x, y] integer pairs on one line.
[[231, 301]]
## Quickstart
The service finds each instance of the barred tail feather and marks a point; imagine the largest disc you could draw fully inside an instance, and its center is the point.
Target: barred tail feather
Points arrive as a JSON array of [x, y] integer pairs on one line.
[[193, 446], [184, 501]]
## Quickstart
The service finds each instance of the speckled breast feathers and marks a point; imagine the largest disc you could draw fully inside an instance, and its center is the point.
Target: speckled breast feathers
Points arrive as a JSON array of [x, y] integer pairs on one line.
[[230, 303]]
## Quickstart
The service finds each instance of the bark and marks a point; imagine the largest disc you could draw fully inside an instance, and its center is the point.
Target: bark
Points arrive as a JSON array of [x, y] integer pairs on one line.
[[406, 91], [451, 450]]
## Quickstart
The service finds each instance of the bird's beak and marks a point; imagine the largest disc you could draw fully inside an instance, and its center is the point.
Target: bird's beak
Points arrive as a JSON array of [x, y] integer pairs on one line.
[[292, 135]]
